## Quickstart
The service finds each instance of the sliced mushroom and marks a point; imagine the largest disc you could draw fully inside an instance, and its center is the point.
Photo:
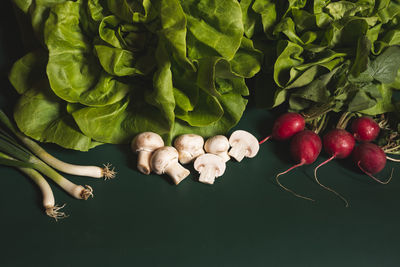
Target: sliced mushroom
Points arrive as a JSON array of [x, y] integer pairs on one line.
[[189, 147], [218, 145], [209, 166], [144, 144], [165, 160], [243, 144]]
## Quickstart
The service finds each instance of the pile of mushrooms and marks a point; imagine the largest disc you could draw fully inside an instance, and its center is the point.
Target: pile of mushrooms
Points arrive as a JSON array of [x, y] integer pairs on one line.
[[209, 158]]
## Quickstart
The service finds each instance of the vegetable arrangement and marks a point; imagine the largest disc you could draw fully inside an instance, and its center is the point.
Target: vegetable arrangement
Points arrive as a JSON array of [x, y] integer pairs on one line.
[[104, 71], [323, 56], [175, 72], [306, 146], [209, 158], [16, 150], [330, 57]]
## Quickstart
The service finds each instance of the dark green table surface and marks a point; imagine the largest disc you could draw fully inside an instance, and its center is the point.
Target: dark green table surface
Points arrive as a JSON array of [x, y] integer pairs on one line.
[[244, 219]]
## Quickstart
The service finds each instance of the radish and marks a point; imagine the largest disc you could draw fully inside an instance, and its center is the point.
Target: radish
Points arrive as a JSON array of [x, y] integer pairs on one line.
[[371, 159], [305, 148], [338, 143], [286, 126], [365, 129]]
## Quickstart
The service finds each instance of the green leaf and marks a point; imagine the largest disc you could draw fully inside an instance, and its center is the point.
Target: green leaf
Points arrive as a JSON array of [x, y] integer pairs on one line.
[[120, 122], [174, 30], [316, 91], [51, 123], [96, 9], [72, 69], [23, 4], [364, 98], [247, 60], [289, 56], [233, 106], [210, 30], [305, 78], [384, 68], [361, 61], [342, 9], [121, 62], [207, 111], [383, 105], [132, 10], [162, 95], [268, 13], [249, 17], [287, 27], [28, 70]]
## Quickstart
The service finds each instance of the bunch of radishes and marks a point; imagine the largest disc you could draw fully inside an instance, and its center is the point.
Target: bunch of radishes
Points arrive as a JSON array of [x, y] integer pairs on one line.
[[338, 143], [209, 157]]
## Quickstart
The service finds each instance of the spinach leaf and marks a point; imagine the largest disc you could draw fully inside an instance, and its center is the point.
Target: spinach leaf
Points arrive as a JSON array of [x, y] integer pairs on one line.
[[384, 68]]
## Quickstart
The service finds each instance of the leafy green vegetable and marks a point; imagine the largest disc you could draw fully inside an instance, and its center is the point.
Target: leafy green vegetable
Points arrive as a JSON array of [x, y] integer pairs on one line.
[[336, 55], [51, 122], [108, 70]]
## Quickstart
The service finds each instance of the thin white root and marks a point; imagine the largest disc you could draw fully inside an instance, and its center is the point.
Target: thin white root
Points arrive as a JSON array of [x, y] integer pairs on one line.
[[54, 212], [108, 171], [393, 159], [87, 192]]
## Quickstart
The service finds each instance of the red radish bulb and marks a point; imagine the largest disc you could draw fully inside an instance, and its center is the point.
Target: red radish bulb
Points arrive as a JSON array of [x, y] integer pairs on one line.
[[338, 143], [305, 148], [371, 159], [365, 129], [286, 126]]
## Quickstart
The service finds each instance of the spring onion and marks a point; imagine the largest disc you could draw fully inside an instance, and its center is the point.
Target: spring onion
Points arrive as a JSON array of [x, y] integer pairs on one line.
[[48, 201], [107, 172]]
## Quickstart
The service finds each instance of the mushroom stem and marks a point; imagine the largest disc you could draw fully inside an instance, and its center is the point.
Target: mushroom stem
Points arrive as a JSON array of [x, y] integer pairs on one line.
[[238, 152], [224, 155], [176, 172], [207, 175], [185, 157], [143, 163]]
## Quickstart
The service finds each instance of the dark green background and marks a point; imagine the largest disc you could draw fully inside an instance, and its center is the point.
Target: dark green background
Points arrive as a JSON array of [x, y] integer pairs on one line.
[[242, 220]]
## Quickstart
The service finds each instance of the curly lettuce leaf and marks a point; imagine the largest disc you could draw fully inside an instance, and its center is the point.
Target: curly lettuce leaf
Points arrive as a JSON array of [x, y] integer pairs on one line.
[[118, 68], [72, 69], [51, 121]]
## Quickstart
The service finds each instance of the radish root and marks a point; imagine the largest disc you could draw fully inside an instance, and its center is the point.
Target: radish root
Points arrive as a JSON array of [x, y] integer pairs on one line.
[[392, 159], [326, 187], [287, 189], [87, 192], [54, 212], [264, 140], [108, 171], [373, 177]]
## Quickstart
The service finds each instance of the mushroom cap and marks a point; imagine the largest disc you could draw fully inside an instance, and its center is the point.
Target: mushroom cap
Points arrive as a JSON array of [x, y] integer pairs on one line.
[[162, 158], [210, 160], [190, 142], [246, 139], [217, 144], [146, 141]]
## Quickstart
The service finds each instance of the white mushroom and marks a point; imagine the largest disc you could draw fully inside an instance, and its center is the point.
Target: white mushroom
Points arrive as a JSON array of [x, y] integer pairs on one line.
[[165, 160], [144, 144], [243, 144], [218, 145], [189, 147], [209, 166]]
